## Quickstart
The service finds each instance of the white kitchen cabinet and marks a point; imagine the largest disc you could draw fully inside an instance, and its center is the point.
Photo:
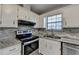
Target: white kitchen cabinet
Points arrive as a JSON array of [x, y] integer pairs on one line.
[[53, 48], [71, 16], [0, 16], [9, 15], [37, 22], [48, 47], [22, 13], [42, 46], [17, 53], [34, 18], [31, 17], [12, 50]]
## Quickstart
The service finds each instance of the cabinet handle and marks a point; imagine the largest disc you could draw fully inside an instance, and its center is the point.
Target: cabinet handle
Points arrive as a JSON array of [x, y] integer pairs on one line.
[[25, 16], [0, 22], [46, 45], [17, 16], [65, 22], [12, 49], [13, 22], [60, 49]]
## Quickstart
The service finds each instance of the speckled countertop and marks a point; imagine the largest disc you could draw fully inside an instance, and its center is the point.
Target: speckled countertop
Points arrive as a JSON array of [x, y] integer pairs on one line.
[[7, 38], [67, 37], [67, 40], [7, 42]]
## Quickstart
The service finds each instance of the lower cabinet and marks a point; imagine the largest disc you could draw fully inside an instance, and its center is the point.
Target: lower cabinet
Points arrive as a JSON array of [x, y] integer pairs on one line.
[[42, 46], [13, 50], [49, 47]]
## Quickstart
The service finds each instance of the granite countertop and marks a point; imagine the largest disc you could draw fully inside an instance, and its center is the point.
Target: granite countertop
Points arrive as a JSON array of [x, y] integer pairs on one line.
[[65, 37], [4, 43], [70, 38], [72, 41], [68, 35]]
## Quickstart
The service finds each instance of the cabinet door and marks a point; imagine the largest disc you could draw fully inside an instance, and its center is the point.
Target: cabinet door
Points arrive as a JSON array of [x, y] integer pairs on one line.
[[29, 17], [37, 22], [42, 46], [9, 15], [71, 16], [53, 48], [22, 13], [33, 17], [0, 17], [16, 53]]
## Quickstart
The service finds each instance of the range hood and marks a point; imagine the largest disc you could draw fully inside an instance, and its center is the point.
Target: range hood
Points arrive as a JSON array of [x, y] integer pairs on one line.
[[26, 23]]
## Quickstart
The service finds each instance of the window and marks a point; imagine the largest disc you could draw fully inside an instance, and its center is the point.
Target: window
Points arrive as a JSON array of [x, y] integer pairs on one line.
[[53, 22]]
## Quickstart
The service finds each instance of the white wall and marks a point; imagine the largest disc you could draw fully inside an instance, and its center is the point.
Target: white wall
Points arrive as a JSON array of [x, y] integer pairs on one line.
[[69, 13]]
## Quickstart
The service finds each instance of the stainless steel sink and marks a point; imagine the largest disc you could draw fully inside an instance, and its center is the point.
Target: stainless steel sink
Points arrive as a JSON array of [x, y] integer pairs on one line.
[[55, 37]]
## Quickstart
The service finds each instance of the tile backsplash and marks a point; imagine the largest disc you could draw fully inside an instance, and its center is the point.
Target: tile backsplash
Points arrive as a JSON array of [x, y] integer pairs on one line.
[[11, 32], [7, 33]]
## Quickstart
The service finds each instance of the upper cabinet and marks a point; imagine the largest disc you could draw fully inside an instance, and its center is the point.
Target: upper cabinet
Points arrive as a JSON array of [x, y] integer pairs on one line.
[[71, 16], [0, 16], [34, 18], [22, 13], [8, 15]]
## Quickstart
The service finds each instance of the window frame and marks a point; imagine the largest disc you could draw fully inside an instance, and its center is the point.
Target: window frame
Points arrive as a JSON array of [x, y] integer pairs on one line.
[[55, 22]]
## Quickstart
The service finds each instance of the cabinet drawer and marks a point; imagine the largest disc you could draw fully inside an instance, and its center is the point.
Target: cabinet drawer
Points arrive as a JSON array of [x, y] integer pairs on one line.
[[16, 53]]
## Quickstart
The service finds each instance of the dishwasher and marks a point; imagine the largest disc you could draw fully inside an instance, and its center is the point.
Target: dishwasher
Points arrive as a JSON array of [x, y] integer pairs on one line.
[[70, 49]]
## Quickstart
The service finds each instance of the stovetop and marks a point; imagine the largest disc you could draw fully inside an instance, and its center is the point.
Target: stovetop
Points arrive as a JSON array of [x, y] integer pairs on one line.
[[28, 39]]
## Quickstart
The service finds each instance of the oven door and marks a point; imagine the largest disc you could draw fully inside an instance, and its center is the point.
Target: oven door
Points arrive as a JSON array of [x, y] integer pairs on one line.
[[30, 48]]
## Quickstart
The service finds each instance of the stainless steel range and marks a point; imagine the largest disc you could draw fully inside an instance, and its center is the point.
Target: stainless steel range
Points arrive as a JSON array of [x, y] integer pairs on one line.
[[29, 46], [29, 43]]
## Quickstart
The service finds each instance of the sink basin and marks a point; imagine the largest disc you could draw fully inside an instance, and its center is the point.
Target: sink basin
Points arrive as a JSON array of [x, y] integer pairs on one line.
[[55, 37]]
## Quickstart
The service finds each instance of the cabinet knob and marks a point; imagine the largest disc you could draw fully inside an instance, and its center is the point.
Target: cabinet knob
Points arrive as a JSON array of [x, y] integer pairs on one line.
[[25, 16], [0, 22], [17, 16], [65, 23], [13, 22], [12, 49]]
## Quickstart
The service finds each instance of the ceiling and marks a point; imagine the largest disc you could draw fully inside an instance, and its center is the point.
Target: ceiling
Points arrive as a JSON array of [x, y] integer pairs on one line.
[[43, 8]]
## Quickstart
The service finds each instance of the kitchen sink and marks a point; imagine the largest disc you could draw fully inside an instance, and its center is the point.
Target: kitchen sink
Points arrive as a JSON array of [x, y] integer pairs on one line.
[[55, 37]]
